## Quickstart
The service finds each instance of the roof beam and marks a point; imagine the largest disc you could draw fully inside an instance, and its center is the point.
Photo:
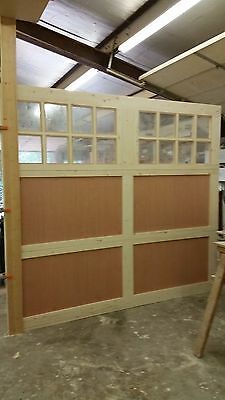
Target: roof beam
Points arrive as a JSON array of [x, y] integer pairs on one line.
[[91, 57], [60, 44], [150, 10], [140, 18], [107, 45]]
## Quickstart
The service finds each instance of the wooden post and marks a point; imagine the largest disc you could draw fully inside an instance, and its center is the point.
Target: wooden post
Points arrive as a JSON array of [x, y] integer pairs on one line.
[[11, 180], [210, 308]]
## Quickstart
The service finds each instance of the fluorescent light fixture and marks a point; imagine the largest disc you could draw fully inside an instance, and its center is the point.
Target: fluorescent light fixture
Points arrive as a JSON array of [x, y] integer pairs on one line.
[[181, 56], [164, 19], [82, 79]]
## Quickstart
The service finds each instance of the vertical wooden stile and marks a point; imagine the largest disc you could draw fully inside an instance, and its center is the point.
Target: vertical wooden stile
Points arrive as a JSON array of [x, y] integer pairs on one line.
[[11, 174]]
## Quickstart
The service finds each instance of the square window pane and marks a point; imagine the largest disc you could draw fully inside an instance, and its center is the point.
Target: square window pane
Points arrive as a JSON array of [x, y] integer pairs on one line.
[[106, 151], [82, 119], [29, 116], [166, 152], [185, 125], [167, 125], [147, 124], [105, 121], [55, 118], [29, 149], [202, 153], [203, 126], [185, 152], [147, 151], [57, 149], [82, 150]]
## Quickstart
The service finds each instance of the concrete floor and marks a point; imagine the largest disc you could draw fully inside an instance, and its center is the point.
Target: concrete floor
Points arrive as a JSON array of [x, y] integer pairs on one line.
[[142, 353]]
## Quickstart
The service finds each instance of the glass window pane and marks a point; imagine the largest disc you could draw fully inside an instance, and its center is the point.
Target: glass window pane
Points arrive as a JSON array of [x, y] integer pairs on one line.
[[167, 125], [105, 121], [29, 116], [57, 149], [203, 126], [185, 125], [202, 153], [185, 152], [82, 119], [82, 150], [147, 151], [55, 118], [166, 152], [29, 149], [147, 124], [106, 151]]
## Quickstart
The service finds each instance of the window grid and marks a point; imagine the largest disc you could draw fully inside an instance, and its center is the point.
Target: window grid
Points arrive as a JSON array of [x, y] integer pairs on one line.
[[189, 141], [106, 141], [176, 139]]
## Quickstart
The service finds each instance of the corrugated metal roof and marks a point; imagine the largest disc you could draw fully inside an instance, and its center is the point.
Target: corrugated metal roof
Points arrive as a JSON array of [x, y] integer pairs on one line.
[[91, 21], [200, 23], [39, 67]]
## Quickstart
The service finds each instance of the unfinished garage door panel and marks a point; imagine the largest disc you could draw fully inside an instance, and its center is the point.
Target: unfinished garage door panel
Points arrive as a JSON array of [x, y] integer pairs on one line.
[[57, 209], [169, 264], [170, 202], [69, 280], [127, 214]]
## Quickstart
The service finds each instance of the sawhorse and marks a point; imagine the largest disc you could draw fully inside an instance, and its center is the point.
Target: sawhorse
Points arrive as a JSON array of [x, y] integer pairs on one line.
[[212, 303]]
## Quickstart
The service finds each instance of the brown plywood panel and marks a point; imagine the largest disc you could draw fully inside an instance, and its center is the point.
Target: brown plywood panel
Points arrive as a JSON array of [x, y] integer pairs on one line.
[[170, 264], [68, 280], [170, 202], [55, 209]]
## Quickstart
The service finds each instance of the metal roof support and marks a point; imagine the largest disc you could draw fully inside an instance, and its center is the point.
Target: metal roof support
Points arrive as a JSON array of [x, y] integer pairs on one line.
[[138, 19], [91, 57]]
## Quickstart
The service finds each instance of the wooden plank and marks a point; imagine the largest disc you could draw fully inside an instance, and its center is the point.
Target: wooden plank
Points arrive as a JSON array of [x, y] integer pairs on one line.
[[55, 209], [127, 167], [87, 310], [170, 264], [170, 202], [68, 280], [11, 175], [210, 309]]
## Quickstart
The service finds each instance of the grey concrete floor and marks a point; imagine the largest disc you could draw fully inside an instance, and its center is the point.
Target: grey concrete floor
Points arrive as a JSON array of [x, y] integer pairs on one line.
[[142, 353]]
